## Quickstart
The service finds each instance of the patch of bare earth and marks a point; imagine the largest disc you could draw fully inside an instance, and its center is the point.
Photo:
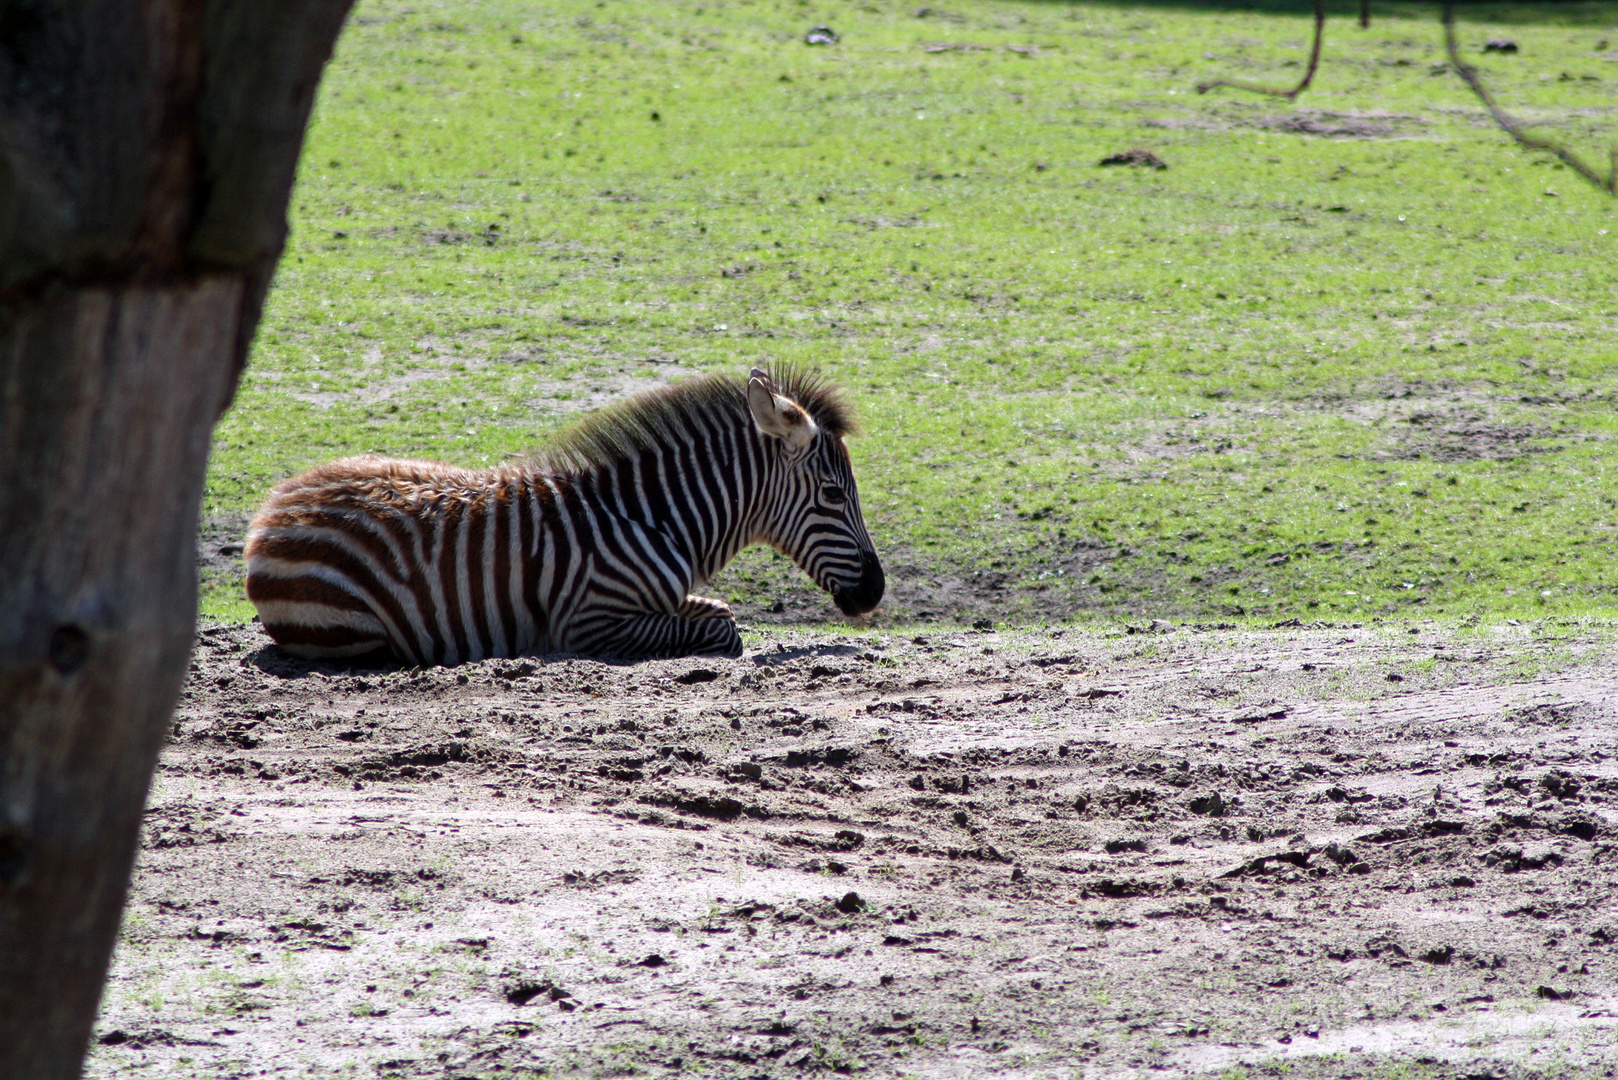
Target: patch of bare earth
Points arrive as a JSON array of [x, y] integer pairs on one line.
[[960, 853], [1316, 122], [1419, 420]]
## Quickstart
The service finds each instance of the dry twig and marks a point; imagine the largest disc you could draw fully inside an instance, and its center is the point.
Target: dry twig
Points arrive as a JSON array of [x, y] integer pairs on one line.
[[1308, 76], [1469, 75]]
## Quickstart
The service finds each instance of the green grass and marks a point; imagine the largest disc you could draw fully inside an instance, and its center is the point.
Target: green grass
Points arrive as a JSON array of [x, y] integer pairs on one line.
[[1293, 374]]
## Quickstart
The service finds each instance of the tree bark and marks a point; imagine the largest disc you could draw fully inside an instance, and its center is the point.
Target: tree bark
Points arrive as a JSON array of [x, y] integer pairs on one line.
[[147, 151]]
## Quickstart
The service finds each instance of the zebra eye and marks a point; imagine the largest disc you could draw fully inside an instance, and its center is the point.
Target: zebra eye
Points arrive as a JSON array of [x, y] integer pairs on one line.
[[833, 494]]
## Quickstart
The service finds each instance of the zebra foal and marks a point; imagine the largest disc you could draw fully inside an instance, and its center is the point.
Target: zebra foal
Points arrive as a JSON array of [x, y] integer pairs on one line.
[[592, 547]]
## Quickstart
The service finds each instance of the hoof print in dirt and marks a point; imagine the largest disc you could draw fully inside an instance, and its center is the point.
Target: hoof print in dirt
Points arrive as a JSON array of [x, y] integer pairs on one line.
[[1439, 956], [521, 993], [1265, 864]]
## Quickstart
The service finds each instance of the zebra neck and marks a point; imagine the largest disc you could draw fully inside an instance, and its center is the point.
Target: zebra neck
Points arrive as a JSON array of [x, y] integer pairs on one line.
[[706, 498]]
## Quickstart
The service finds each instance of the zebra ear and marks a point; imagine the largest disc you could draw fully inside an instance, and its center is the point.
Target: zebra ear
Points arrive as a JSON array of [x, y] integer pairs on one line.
[[777, 416]]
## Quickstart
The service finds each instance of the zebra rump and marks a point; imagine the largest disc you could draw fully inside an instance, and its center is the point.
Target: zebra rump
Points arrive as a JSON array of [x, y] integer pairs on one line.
[[591, 546]]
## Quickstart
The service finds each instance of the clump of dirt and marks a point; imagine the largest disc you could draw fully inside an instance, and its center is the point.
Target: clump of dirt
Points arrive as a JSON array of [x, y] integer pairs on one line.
[[1330, 849], [1138, 156]]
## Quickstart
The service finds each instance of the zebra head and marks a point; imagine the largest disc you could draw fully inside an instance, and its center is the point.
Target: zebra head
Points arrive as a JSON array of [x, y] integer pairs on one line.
[[812, 512]]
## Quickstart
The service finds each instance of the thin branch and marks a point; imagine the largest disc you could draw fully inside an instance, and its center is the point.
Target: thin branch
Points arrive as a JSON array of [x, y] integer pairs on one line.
[[1308, 76], [1469, 75]]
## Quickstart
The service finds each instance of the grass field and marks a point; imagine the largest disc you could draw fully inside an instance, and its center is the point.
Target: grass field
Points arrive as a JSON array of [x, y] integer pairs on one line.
[[1344, 358]]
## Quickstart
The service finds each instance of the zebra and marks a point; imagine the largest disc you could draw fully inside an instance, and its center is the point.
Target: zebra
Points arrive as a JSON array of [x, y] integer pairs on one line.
[[590, 547]]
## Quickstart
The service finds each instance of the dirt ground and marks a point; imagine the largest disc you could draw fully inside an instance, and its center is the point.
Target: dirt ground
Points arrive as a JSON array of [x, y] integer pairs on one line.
[[1328, 850]]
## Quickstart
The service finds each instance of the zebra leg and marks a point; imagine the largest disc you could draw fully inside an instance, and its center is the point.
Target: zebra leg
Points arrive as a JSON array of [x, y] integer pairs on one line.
[[701, 607], [655, 635]]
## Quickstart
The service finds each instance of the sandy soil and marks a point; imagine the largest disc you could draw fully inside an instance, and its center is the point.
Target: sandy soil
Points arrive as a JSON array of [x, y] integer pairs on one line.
[[1166, 851]]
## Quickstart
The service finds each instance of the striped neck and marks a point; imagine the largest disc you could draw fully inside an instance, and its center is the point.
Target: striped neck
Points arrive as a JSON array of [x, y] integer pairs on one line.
[[705, 493]]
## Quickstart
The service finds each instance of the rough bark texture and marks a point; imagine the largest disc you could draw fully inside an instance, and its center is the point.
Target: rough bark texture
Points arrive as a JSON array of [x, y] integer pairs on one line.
[[147, 151]]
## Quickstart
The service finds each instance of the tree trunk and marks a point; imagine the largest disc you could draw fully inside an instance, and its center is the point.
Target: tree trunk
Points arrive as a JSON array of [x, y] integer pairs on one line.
[[147, 151]]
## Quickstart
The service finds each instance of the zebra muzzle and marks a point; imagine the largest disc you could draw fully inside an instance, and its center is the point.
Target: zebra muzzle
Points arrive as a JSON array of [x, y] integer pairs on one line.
[[865, 594]]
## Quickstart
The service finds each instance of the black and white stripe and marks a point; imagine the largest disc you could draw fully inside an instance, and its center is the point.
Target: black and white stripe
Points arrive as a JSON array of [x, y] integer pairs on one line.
[[592, 547]]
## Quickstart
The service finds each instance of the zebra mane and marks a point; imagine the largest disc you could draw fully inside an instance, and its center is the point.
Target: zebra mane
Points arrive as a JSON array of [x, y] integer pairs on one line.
[[654, 417]]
